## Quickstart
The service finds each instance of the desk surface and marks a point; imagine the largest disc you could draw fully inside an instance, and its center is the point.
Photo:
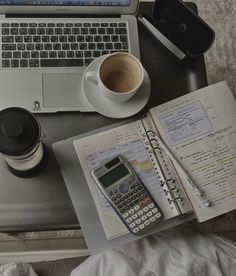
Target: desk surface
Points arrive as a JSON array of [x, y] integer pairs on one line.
[[43, 203]]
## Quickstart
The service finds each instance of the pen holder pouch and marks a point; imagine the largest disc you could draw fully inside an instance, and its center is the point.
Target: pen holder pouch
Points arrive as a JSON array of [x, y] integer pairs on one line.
[[182, 27]]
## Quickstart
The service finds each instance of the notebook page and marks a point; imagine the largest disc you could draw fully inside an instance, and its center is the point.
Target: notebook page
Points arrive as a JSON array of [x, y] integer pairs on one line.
[[126, 140], [200, 130]]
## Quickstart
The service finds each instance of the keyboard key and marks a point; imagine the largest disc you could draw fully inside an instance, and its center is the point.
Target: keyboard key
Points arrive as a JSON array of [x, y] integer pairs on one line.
[[16, 54], [79, 54], [61, 54], [88, 54], [27, 38], [23, 31], [18, 38], [48, 46], [6, 54], [61, 62], [40, 31], [120, 31], [56, 46], [101, 31], [37, 38], [23, 63], [54, 38], [5, 31], [32, 31], [44, 54], [84, 31], [7, 39], [52, 54], [88, 61], [58, 31], [75, 31], [35, 54], [74, 46], [92, 30], [96, 54], [70, 54], [39, 46], [14, 63], [65, 46], [30, 46], [24, 25], [5, 63], [80, 38], [45, 39], [71, 38], [33, 63], [26, 54], [14, 31], [9, 47]]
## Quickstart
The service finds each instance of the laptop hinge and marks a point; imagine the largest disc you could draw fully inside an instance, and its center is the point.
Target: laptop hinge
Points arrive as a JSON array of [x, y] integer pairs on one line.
[[62, 15]]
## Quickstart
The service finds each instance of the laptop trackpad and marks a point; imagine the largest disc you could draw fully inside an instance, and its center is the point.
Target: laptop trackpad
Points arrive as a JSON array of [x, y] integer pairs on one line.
[[61, 90]]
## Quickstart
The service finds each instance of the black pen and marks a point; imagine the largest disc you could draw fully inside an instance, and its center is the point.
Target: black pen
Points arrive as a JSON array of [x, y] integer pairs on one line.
[[148, 23]]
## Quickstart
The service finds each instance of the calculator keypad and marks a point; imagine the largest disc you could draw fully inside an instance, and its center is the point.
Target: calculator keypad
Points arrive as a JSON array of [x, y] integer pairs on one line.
[[136, 207]]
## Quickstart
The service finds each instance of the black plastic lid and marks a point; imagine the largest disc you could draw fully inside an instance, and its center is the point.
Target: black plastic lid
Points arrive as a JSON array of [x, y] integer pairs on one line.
[[182, 27], [19, 131]]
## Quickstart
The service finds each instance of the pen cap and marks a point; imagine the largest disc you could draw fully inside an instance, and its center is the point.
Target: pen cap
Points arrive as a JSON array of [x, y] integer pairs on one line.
[[182, 27]]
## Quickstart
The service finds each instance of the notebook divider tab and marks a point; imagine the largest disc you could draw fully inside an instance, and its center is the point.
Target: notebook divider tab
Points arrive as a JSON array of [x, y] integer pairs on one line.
[[160, 164]]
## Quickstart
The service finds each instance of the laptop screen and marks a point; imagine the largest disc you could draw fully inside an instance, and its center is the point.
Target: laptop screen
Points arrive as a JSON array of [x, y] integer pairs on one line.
[[83, 3]]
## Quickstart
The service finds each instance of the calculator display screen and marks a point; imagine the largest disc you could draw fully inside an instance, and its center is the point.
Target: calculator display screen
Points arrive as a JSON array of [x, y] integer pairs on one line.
[[114, 175]]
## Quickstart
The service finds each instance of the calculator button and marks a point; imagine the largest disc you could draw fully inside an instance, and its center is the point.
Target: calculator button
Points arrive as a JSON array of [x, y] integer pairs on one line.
[[147, 222], [141, 226], [132, 225], [124, 188], [114, 198], [132, 186], [126, 196], [119, 196], [129, 220], [122, 211], [126, 215], [135, 230], [136, 207], [134, 216], [149, 214], [138, 221], [145, 209], [127, 208], [139, 188], [140, 213], [154, 211], [144, 217], [130, 194], [122, 199], [152, 219], [151, 205], [158, 215], [131, 211]]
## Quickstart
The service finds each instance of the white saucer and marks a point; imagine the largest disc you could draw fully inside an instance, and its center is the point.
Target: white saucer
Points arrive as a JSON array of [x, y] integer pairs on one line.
[[111, 109]]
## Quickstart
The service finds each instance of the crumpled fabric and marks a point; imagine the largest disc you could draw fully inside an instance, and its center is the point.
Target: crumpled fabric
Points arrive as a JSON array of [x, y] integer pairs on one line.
[[17, 269], [181, 251]]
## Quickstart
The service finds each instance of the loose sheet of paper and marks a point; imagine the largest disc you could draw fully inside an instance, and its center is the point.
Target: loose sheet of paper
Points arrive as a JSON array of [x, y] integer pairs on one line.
[[126, 140], [200, 130]]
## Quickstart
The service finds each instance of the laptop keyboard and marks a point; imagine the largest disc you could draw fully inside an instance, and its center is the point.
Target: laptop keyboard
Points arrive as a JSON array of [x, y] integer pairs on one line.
[[32, 45]]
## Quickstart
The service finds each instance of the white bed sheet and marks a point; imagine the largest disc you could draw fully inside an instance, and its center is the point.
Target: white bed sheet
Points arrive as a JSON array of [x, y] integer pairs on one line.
[[177, 252], [180, 251]]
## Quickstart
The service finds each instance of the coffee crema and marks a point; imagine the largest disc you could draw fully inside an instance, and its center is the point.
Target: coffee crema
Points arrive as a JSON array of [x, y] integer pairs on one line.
[[119, 81]]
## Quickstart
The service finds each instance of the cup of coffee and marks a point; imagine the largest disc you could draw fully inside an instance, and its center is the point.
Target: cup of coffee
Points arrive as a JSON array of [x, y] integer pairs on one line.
[[118, 77]]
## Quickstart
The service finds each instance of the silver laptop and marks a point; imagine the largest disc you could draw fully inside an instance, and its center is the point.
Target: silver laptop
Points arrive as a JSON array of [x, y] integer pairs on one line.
[[47, 44]]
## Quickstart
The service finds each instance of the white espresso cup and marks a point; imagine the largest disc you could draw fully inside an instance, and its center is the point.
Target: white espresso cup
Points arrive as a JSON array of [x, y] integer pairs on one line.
[[118, 77]]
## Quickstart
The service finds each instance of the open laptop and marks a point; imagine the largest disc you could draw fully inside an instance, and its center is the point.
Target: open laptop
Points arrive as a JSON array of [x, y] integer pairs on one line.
[[47, 44]]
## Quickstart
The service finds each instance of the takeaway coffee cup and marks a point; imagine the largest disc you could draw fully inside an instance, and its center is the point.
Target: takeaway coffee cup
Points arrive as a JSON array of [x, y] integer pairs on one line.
[[20, 142], [118, 77]]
